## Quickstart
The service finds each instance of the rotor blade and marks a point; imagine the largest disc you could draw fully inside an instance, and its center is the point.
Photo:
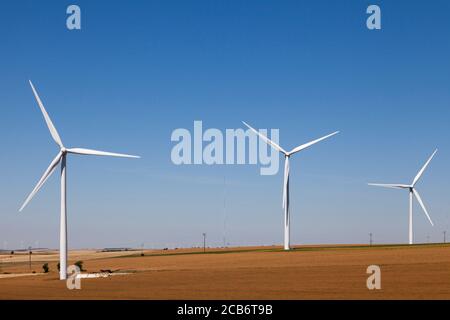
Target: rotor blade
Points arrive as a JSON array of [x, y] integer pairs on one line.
[[306, 145], [265, 139], [49, 122], [388, 185], [51, 168], [422, 205], [286, 182], [99, 153], [423, 168]]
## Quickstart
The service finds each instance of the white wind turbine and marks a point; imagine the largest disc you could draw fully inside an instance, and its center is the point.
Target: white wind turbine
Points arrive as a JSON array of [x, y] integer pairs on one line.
[[287, 215], [61, 158], [412, 190]]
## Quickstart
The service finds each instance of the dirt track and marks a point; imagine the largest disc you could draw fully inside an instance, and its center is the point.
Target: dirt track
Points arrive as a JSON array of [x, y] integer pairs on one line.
[[418, 272]]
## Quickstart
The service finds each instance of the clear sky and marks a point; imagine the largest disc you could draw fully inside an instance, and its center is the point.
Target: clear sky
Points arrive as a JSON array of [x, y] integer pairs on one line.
[[137, 70]]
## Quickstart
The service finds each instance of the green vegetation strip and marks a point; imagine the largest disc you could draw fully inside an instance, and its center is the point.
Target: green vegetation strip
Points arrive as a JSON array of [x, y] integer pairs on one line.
[[295, 249]]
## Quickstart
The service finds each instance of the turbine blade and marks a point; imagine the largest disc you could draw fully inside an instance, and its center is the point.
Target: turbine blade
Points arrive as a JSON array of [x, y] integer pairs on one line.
[[265, 139], [51, 168], [99, 153], [285, 182], [422, 205], [49, 122], [388, 185], [423, 168], [306, 145]]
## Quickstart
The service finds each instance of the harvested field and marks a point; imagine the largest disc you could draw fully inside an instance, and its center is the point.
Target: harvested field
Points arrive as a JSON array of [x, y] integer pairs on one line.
[[308, 272]]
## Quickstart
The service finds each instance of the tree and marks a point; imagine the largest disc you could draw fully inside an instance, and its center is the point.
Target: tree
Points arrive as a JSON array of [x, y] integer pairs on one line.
[[45, 267]]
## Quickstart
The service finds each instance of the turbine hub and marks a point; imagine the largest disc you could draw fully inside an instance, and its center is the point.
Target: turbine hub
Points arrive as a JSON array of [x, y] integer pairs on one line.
[[63, 150]]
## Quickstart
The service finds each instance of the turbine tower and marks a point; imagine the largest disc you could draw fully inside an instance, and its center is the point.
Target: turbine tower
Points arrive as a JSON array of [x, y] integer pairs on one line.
[[61, 157], [287, 155], [412, 191]]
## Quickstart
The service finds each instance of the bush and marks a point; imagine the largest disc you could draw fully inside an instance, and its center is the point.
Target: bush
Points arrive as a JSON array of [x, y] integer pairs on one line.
[[45, 267], [79, 264]]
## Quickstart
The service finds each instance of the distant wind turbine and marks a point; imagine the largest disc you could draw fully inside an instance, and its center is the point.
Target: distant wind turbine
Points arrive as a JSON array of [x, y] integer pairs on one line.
[[412, 190], [287, 155], [61, 158]]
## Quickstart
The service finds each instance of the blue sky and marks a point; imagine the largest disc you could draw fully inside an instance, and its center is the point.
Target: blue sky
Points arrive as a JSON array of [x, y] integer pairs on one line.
[[138, 70]]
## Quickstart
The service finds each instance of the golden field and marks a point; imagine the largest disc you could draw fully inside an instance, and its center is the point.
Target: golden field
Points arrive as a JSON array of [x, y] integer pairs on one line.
[[307, 272]]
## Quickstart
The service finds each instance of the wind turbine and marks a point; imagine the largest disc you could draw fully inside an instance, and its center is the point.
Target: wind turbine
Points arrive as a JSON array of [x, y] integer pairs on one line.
[[287, 155], [412, 190], [61, 157]]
